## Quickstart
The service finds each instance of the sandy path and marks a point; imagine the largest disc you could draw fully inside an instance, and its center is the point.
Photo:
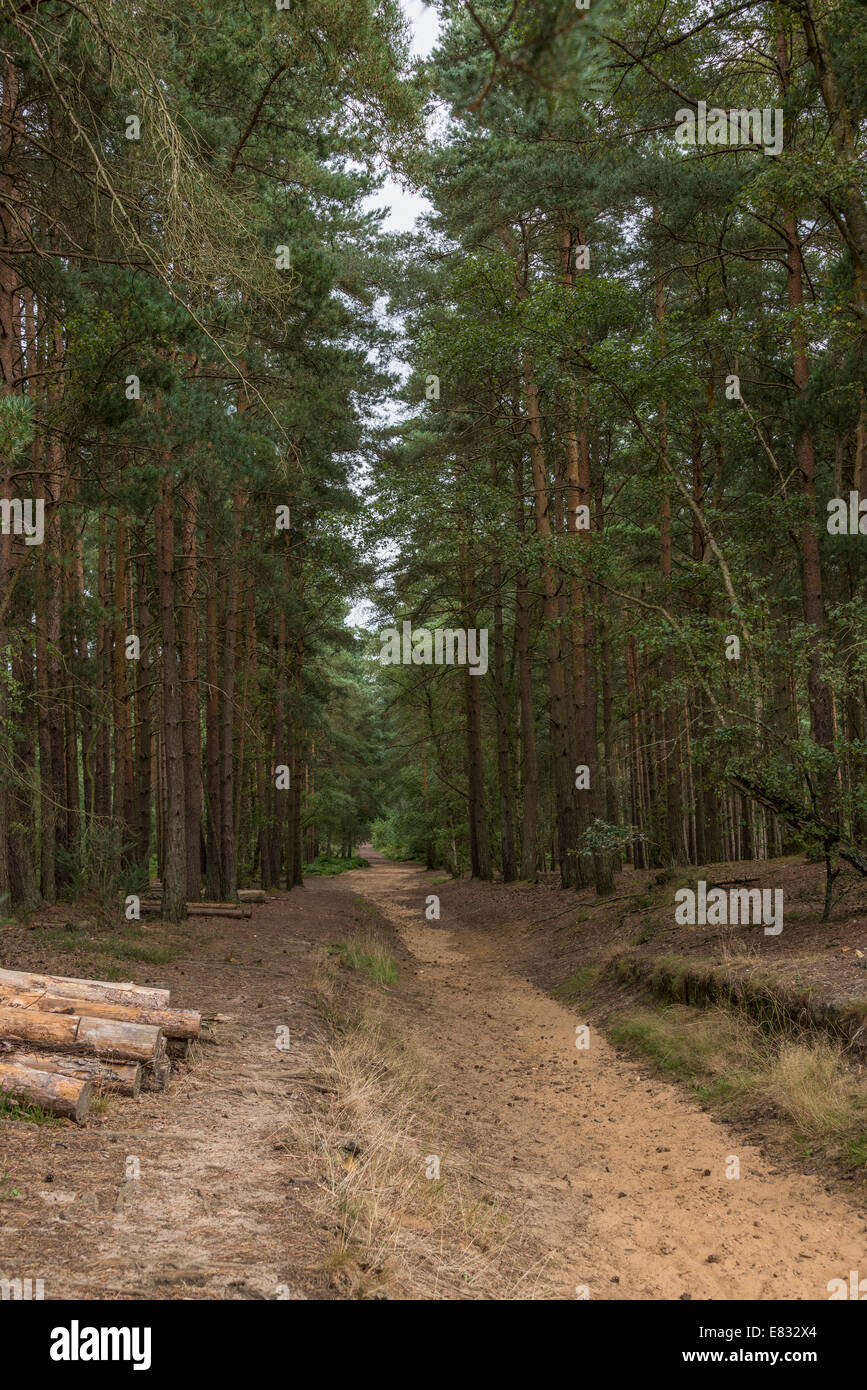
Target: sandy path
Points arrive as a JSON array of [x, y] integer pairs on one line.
[[621, 1181], [609, 1179]]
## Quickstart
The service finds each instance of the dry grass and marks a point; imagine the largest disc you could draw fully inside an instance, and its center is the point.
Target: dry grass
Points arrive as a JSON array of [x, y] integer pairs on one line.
[[812, 1085], [734, 1063], [375, 1144], [711, 1048], [737, 949]]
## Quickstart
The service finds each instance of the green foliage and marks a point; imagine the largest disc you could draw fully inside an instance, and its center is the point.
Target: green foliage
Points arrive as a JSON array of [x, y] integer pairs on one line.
[[561, 134], [100, 864], [16, 425], [602, 837], [14, 1109], [327, 866], [373, 960], [395, 838]]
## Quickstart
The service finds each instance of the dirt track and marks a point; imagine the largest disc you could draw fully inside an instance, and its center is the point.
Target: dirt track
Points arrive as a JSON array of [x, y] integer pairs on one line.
[[609, 1179], [622, 1179]]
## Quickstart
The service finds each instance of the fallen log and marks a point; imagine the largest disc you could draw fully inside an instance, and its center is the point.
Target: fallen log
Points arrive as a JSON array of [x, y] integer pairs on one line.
[[152, 907], [156, 1076], [124, 1077], [108, 1037], [145, 996], [62, 1095], [99, 1037], [175, 1023], [252, 895]]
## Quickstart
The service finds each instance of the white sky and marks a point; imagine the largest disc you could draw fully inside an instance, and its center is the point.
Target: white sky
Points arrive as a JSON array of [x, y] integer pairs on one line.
[[404, 206], [425, 23]]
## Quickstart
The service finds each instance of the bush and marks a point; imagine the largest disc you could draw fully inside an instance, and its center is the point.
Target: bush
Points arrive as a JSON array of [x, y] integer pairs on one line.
[[101, 864], [332, 864]]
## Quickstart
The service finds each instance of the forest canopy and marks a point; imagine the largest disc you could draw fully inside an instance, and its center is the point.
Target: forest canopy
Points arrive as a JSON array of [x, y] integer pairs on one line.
[[589, 441]]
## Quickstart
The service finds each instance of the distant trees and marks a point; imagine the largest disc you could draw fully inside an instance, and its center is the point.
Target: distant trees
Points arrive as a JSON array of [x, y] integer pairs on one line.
[[651, 359]]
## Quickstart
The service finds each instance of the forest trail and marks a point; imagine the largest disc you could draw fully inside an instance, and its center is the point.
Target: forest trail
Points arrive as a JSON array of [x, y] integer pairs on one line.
[[603, 1176], [619, 1180]]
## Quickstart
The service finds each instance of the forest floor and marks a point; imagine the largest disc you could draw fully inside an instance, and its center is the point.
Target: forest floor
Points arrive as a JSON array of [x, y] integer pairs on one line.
[[432, 1130]]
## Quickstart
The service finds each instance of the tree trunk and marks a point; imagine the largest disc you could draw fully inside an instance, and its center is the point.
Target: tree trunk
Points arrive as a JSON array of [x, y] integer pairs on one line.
[[504, 770], [122, 800], [148, 997], [102, 748], [122, 1077], [227, 717], [100, 1037], [174, 871], [560, 740], [189, 673], [68, 1096], [214, 872], [480, 852], [144, 730], [673, 851], [529, 760]]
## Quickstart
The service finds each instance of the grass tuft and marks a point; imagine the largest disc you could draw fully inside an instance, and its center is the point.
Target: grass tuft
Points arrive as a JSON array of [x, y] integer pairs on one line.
[[405, 1226], [369, 956], [733, 1062]]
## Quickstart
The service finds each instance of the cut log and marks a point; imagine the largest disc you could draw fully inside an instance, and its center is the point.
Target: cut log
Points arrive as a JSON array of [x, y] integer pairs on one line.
[[175, 1023], [222, 907], [152, 908], [124, 1077], [108, 1037], [145, 996], [69, 1096], [156, 1076], [48, 1032], [178, 1048], [245, 895], [98, 1037]]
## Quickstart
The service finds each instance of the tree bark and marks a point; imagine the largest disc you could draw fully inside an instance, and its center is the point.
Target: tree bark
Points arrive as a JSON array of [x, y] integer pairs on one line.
[[214, 871], [68, 1096], [529, 761], [174, 872], [189, 675], [229, 872]]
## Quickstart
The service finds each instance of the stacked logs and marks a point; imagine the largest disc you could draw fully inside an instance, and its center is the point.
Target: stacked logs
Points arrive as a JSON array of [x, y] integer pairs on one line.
[[151, 903], [62, 1038]]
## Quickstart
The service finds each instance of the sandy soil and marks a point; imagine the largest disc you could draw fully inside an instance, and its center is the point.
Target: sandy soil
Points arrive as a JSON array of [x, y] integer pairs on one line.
[[622, 1180], [616, 1181]]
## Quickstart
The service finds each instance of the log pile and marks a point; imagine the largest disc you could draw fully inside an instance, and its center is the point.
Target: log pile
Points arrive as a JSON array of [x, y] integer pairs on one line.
[[63, 1040], [152, 907], [151, 903]]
